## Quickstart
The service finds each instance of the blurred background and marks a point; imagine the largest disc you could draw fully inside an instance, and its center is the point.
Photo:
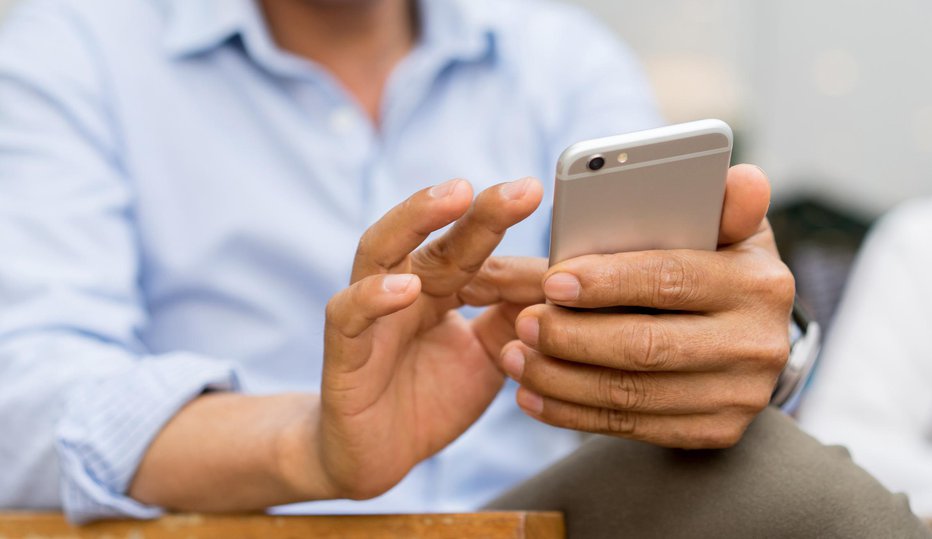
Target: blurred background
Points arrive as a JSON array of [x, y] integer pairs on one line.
[[826, 95]]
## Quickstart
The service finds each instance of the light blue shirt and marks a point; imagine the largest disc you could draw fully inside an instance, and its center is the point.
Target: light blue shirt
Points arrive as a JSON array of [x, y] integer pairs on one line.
[[179, 198]]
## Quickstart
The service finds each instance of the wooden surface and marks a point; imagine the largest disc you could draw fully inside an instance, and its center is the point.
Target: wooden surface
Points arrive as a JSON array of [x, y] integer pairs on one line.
[[487, 525]]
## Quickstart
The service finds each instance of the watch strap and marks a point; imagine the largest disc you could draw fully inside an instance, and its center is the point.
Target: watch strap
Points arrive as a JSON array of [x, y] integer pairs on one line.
[[806, 343]]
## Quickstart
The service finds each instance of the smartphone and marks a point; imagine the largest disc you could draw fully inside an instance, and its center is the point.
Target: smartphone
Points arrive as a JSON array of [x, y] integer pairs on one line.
[[656, 189]]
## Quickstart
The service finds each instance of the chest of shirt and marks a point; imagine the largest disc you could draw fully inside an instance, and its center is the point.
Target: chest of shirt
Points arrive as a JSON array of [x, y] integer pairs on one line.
[[236, 170]]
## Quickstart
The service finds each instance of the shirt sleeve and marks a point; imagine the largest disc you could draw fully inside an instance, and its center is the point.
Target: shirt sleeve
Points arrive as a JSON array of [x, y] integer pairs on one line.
[[80, 396], [873, 388]]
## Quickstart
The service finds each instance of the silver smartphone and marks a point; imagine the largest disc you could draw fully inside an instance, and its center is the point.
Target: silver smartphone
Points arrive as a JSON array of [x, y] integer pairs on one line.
[[656, 189]]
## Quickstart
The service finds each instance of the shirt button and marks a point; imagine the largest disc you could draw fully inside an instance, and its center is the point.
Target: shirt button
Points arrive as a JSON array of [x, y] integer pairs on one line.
[[342, 120]]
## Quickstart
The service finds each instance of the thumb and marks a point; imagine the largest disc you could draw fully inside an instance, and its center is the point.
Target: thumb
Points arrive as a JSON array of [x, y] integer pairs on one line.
[[747, 198], [352, 311]]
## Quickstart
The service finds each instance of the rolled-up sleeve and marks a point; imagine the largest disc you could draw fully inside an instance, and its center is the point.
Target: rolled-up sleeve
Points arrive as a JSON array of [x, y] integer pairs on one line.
[[80, 396]]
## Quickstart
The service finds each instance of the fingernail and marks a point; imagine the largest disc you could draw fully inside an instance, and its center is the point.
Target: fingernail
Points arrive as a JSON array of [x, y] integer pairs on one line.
[[528, 329], [513, 363], [764, 174], [397, 284], [530, 401], [444, 189], [562, 287], [516, 189]]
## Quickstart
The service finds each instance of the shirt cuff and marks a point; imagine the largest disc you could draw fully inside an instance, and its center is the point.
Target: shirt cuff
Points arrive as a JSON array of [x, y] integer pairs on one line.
[[108, 424]]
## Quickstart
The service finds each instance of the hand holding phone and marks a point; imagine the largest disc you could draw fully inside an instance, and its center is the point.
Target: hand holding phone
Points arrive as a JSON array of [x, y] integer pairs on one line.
[[696, 370]]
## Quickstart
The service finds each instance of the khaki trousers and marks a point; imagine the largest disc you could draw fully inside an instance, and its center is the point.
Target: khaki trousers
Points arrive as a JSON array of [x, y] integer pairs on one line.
[[777, 482]]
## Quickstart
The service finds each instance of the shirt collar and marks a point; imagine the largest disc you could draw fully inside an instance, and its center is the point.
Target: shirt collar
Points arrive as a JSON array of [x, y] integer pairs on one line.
[[455, 29], [198, 26]]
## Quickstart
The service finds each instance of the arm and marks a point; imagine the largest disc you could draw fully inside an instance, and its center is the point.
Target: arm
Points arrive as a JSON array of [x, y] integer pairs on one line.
[[252, 449], [872, 391], [403, 376]]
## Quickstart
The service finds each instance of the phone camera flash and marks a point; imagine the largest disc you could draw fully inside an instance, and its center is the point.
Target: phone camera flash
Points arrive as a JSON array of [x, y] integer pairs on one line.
[[623, 157]]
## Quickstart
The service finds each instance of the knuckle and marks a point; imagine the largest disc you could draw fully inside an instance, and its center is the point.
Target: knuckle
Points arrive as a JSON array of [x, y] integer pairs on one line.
[[560, 340], [730, 435], [773, 352], [619, 422], [467, 267], [749, 399], [577, 421], [476, 294], [365, 242], [494, 266], [481, 290], [435, 253], [785, 280], [648, 346], [567, 417], [337, 317], [361, 491], [439, 253], [332, 310], [491, 218], [720, 436], [674, 282], [776, 284], [614, 276], [368, 249], [620, 390], [760, 399], [780, 352]]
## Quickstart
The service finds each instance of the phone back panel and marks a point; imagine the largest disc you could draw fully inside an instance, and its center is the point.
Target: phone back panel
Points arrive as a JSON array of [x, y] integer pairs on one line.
[[667, 195]]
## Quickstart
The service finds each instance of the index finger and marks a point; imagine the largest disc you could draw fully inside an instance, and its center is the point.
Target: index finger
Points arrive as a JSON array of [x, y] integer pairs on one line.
[[510, 279], [671, 280], [447, 263], [392, 238]]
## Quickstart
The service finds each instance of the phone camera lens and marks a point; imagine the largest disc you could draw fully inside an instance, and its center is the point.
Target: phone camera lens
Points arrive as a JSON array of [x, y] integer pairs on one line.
[[596, 163]]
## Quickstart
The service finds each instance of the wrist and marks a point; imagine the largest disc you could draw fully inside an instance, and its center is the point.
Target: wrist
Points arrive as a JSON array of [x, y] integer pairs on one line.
[[298, 459]]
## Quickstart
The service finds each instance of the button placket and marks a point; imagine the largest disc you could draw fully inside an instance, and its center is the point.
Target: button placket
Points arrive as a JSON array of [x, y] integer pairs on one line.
[[343, 120]]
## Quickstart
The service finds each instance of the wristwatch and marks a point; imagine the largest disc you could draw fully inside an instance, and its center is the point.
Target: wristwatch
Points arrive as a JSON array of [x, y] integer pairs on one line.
[[805, 344]]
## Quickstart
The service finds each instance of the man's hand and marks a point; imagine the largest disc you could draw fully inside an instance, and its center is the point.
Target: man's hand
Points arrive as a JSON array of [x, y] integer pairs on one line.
[[404, 373], [693, 375]]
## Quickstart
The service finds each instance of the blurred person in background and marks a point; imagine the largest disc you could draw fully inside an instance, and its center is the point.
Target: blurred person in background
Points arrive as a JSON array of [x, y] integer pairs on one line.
[[872, 392], [187, 185]]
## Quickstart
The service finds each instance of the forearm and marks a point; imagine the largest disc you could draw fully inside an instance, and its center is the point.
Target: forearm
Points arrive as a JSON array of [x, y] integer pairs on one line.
[[231, 452]]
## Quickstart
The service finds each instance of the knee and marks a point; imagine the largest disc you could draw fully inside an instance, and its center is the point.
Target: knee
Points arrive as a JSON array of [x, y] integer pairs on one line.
[[777, 482], [802, 488]]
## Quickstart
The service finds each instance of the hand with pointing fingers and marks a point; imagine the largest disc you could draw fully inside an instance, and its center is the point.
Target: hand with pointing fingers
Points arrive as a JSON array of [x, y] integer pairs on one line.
[[693, 373], [405, 374]]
